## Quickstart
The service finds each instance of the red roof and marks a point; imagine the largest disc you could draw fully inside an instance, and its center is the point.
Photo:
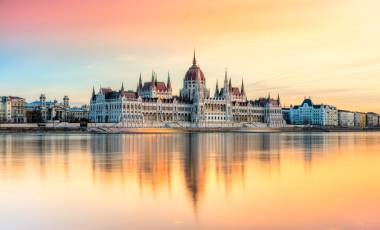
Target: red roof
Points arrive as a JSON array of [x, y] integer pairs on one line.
[[130, 94], [235, 91], [160, 86], [106, 90], [15, 97], [194, 73]]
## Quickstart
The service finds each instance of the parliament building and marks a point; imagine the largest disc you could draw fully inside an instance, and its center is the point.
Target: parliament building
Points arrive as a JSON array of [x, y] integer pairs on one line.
[[154, 105]]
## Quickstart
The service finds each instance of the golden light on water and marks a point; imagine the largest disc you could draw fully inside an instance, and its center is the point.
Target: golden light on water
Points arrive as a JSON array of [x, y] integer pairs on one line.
[[287, 181]]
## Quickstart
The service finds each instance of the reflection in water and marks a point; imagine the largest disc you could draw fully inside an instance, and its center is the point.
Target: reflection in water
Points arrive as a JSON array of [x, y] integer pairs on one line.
[[151, 157], [200, 165]]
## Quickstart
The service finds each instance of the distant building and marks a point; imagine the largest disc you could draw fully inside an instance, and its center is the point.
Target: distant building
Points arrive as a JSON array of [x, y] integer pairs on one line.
[[360, 120], [154, 105], [12, 109], [310, 114], [346, 118], [286, 115], [372, 120], [48, 111], [76, 114]]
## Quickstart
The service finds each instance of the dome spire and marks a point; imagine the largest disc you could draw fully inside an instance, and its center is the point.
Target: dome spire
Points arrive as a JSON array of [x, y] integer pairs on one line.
[[194, 59]]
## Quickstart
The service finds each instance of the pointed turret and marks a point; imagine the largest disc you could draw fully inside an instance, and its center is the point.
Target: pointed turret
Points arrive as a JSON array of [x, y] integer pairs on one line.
[[278, 99], [153, 79], [140, 82], [169, 84], [194, 59], [93, 93], [230, 85], [225, 85], [216, 89], [122, 87], [242, 90]]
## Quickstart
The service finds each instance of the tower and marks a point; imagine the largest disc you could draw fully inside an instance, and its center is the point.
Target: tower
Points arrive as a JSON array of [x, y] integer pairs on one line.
[[42, 100], [66, 103]]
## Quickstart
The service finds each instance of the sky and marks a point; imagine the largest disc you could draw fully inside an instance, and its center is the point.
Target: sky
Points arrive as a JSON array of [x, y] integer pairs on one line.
[[328, 50]]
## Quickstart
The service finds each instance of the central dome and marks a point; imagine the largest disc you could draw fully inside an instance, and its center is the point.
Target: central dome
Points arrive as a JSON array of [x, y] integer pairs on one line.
[[194, 72]]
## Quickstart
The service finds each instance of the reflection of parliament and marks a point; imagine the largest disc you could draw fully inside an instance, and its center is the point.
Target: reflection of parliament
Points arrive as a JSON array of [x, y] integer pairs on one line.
[[154, 105]]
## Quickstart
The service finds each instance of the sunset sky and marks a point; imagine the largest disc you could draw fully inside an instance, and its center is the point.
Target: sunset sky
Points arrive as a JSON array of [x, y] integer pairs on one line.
[[326, 49]]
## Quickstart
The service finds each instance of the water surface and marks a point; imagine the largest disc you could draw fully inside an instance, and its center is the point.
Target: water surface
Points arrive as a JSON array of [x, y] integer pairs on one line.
[[187, 181]]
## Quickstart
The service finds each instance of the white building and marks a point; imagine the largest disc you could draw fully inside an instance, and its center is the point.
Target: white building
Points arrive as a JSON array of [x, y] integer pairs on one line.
[[153, 105], [360, 120], [372, 120], [43, 110], [310, 114], [12, 109], [346, 118], [5, 109]]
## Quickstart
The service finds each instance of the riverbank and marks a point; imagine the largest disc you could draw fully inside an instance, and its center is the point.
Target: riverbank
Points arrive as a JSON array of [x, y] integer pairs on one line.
[[75, 128]]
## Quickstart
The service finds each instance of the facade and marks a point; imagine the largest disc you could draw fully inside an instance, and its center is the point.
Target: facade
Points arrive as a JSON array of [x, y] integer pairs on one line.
[[12, 109], [154, 105], [41, 111], [286, 115], [346, 118], [360, 120], [76, 114], [310, 114], [372, 120]]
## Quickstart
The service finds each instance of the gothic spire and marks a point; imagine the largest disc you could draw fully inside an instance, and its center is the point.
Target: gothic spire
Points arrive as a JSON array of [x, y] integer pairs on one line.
[[216, 89], [278, 99], [242, 87], [230, 84], [140, 82], [194, 59], [122, 87], [169, 84]]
